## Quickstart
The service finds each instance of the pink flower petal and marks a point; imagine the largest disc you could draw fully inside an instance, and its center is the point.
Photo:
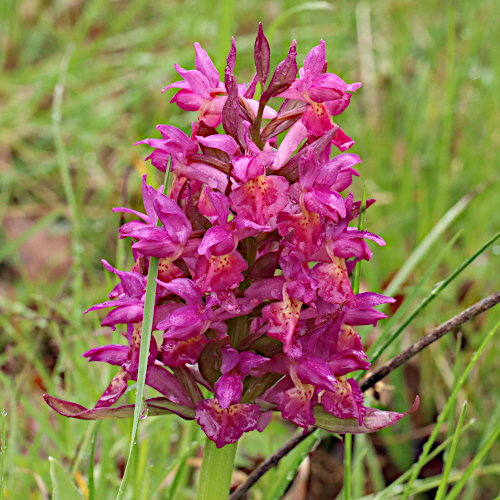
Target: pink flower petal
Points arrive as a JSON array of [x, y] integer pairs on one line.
[[226, 426], [204, 65]]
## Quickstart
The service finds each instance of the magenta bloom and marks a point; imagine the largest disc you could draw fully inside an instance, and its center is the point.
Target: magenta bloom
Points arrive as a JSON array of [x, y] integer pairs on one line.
[[253, 302], [200, 89], [327, 95]]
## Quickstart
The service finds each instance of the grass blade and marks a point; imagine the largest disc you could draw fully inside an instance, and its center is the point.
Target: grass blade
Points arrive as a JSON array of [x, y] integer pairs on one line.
[[63, 487], [356, 280], [91, 463], [2, 452], [435, 292], [406, 304], [188, 436], [492, 421], [474, 464], [381, 495], [430, 483], [451, 455], [347, 466], [442, 417], [290, 464], [147, 325], [83, 447], [142, 465], [147, 480], [426, 244], [178, 462]]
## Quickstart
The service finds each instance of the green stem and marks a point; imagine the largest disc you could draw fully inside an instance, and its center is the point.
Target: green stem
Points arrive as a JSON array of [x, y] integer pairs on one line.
[[147, 329], [347, 466], [216, 470], [62, 158], [356, 280], [3, 449], [140, 405]]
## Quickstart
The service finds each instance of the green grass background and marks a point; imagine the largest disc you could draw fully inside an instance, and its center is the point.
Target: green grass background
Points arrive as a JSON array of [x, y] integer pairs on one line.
[[427, 126]]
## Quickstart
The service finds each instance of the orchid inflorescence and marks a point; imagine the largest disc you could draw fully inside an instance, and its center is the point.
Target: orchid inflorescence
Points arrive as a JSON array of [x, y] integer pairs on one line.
[[255, 252]]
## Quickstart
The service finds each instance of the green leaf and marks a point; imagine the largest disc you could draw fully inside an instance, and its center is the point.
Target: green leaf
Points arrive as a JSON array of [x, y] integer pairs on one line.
[[474, 464], [426, 244], [374, 420], [435, 292], [141, 407], [406, 304], [3, 449], [155, 406], [288, 466], [442, 416], [449, 461], [63, 487], [216, 471]]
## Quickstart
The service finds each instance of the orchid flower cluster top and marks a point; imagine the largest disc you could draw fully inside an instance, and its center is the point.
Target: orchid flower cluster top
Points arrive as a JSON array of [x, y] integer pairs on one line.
[[255, 251]]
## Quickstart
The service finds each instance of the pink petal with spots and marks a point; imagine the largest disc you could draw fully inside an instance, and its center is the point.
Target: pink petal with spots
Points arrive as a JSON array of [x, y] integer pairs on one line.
[[308, 233], [283, 317], [346, 401], [220, 273], [296, 404], [260, 198], [114, 391], [373, 421], [225, 426], [316, 119], [179, 352], [334, 285]]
